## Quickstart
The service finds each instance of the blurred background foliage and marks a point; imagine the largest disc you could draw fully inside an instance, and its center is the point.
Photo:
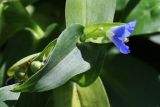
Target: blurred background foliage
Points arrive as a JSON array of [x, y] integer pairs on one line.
[[130, 81]]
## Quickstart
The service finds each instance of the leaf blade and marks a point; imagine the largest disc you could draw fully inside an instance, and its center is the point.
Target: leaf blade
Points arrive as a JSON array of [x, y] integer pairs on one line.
[[64, 51], [88, 12], [8, 98]]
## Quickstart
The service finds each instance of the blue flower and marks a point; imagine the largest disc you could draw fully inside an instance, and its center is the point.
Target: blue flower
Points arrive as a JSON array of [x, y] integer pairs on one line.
[[120, 34]]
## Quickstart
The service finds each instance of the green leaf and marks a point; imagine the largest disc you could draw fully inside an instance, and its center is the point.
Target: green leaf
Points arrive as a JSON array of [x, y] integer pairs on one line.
[[64, 62], [73, 95], [68, 95], [8, 98], [147, 15], [93, 96], [50, 29], [12, 11], [131, 82], [2, 74], [88, 12], [95, 55]]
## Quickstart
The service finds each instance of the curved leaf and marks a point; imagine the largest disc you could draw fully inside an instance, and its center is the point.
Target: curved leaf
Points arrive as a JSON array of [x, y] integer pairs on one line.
[[93, 95], [65, 61], [89, 13], [95, 55], [8, 98], [73, 95], [68, 95]]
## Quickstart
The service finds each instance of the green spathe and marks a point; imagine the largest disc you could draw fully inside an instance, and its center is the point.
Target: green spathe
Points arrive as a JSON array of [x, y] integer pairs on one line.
[[64, 62]]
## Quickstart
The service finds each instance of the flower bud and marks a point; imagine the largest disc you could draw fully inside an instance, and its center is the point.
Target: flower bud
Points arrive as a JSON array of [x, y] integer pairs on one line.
[[36, 65]]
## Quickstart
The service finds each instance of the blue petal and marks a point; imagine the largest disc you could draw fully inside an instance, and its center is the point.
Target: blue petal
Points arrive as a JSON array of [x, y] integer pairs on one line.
[[125, 30], [120, 45], [120, 33], [131, 25]]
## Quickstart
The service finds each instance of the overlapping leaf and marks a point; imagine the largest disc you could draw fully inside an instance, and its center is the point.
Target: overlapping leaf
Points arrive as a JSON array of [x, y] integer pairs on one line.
[[8, 98], [64, 62], [68, 95], [87, 13]]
